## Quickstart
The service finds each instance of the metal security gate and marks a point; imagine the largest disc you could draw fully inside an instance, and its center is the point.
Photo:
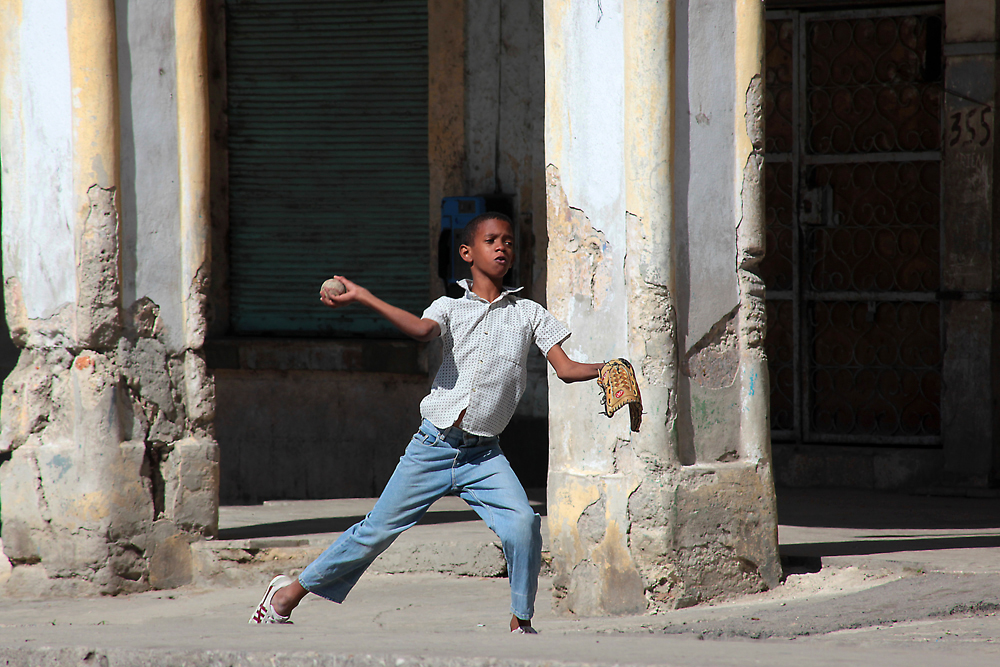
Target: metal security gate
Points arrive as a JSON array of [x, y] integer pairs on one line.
[[852, 179], [328, 168]]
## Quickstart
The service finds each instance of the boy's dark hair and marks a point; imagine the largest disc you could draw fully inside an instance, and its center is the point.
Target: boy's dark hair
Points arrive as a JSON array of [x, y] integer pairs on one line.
[[469, 233]]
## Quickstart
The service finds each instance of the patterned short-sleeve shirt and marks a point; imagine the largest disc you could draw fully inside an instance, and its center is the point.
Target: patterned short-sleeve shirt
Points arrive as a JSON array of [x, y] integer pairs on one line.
[[484, 362]]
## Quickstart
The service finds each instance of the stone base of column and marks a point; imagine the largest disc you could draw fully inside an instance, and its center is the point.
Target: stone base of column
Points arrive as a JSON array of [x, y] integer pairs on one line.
[[649, 543], [111, 471]]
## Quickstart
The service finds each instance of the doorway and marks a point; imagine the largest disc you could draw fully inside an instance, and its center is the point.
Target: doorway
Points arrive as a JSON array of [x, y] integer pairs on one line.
[[853, 207]]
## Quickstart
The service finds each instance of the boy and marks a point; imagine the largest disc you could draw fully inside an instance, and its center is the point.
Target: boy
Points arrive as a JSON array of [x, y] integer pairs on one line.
[[485, 338]]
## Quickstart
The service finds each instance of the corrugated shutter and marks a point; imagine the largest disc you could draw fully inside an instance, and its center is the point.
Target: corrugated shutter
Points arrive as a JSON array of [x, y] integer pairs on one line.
[[327, 160]]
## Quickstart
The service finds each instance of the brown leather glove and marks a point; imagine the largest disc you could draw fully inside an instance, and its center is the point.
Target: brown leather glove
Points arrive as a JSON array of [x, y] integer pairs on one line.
[[617, 379]]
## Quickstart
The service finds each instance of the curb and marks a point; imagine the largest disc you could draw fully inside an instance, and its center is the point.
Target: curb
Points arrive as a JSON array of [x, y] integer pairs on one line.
[[43, 656]]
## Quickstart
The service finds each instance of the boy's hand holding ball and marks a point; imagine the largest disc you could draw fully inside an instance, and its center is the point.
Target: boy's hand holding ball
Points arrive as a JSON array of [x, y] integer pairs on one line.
[[332, 291], [333, 287]]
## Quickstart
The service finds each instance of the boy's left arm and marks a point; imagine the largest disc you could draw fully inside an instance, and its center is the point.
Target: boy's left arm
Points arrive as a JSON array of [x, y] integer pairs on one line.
[[568, 370]]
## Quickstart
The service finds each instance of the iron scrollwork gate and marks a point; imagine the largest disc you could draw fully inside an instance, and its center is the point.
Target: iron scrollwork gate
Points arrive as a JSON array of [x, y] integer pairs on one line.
[[853, 181]]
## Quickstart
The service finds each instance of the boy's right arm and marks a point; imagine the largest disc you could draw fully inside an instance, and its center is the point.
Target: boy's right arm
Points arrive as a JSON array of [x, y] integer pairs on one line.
[[421, 329]]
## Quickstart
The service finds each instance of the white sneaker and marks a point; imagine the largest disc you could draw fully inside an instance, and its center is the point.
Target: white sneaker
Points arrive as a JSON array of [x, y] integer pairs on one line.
[[265, 612]]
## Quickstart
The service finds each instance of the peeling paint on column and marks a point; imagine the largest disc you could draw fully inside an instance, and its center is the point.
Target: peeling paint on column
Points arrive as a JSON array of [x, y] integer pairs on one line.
[[713, 364], [110, 465], [652, 318], [650, 520], [750, 245], [571, 497], [591, 524], [194, 163], [114, 449], [755, 491], [98, 312], [576, 258], [714, 360]]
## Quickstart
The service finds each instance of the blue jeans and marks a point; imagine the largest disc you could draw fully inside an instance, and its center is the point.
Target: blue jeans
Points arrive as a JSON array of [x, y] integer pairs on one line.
[[439, 463]]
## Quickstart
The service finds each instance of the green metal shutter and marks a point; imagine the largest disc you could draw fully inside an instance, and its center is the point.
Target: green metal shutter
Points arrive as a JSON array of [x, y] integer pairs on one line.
[[328, 164]]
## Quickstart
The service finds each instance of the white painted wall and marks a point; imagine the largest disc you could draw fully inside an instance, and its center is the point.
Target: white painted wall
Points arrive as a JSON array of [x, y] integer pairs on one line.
[[150, 193], [36, 151], [37, 157], [592, 167], [708, 239], [587, 147]]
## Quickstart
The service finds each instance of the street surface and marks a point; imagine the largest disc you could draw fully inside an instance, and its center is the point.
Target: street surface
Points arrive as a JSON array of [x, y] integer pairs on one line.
[[905, 580]]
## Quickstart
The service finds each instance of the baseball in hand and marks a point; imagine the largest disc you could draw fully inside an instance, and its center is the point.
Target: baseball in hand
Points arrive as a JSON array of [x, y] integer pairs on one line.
[[333, 287]]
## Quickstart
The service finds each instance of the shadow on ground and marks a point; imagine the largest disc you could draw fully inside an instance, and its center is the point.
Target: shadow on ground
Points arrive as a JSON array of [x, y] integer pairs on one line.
[[335, 524], [913, 599], [855, 508], [886, 546]]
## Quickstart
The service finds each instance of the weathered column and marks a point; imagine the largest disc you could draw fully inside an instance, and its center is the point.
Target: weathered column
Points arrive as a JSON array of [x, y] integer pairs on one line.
[[193, 149], [190, 469], [748, 130], [649, 271], [109, 468], [591, 471], [651, 279], [725, 502], [655, 519], [970, 275], [446, 114]]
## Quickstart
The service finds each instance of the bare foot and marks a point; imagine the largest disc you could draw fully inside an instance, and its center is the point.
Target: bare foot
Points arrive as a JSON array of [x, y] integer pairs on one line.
[[515, 623], [286, 599]]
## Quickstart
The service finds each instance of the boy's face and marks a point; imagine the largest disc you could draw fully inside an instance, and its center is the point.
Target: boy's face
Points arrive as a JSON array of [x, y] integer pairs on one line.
[[492, 251]]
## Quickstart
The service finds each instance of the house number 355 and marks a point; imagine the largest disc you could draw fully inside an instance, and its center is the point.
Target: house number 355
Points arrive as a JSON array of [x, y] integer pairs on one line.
[[972, 126]]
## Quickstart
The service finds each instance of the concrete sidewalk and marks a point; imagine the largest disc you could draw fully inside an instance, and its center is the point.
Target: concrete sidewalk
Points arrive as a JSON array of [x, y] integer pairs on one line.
[[905, 580]]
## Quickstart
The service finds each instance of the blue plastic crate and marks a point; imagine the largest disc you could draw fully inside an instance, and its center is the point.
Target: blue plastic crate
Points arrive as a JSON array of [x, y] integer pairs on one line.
[[456, 212]]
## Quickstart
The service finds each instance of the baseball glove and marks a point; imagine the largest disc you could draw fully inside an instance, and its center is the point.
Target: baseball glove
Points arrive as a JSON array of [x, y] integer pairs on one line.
[[617, 379]]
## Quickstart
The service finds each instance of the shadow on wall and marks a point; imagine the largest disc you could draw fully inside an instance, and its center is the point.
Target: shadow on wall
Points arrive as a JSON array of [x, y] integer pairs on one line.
[[857, 508], [308, 435], [525, 443], [312, 434], [8, 351]]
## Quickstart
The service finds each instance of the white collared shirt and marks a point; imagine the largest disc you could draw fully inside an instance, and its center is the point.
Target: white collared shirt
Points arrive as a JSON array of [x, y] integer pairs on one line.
[[484, 362]]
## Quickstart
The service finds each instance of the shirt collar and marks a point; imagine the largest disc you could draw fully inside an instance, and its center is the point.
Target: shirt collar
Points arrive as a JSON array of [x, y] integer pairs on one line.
[[469, 294]]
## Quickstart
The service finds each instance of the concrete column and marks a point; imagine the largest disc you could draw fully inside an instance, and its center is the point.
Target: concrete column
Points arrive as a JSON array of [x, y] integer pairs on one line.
[[651, 280], [190, 470], [969, 271], [748, 130], [720, 495], [109, 468], [504, 77], [640, 521], [194, 161], [446, 114], [650, 270], [94, 82]]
